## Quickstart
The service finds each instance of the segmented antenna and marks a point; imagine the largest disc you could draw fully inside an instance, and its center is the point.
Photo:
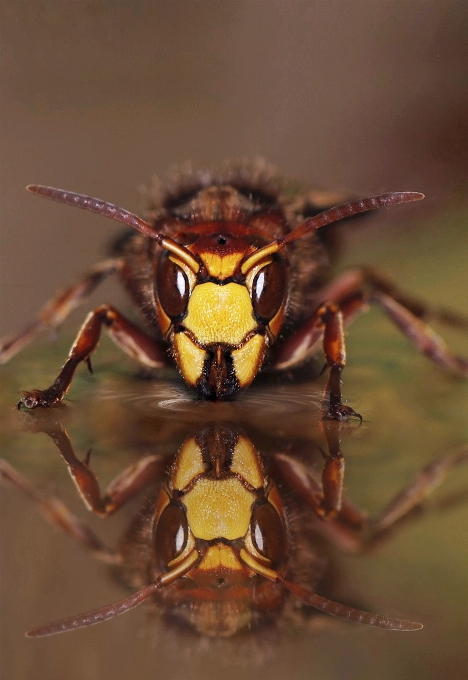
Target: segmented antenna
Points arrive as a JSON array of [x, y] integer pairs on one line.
[[340, 212], [95, 205]]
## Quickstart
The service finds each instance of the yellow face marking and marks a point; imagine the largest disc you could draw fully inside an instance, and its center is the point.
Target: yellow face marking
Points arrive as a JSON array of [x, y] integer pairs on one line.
[[248, 359], [277, 321], [222, 267], [246, 463], [218, 509], [220, 557], [220, 314], [191, 277], [252, 273], [189, 357], [275, 499], [189, 464]]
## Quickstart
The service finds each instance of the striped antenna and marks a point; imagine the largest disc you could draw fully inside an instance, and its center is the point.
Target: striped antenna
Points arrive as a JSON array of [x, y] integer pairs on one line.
[[327, 217], [119, 215]]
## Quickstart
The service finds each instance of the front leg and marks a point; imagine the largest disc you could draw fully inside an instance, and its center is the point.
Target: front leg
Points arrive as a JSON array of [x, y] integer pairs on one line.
[[327, 326], [330, 317], [125, 486], [345, 298], [123, 332]]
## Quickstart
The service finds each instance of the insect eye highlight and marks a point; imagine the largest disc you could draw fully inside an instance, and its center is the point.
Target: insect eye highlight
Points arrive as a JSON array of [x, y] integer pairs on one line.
[[269, 290], [171, 534], [268, 533], [172, 287]]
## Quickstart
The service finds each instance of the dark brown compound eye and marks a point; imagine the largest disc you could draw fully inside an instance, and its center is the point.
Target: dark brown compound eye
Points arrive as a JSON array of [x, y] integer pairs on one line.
[[172, 287], [269, 290], [171, 534], [268, 533]]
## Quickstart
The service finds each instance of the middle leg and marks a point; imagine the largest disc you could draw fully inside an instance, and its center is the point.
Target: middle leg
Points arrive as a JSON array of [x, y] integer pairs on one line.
[[345, 298]]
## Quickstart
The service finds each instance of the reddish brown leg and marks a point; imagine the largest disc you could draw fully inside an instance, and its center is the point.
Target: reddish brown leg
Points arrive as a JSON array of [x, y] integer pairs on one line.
[[352, 292], [330, 316], [56, 310], [369, 281], [56, 513], [124, 487], [326, 498], [333, 470], [375, 281], [422, 336], [350, 529], [123, 332], [348, 296], [327, 325], [415, 493]]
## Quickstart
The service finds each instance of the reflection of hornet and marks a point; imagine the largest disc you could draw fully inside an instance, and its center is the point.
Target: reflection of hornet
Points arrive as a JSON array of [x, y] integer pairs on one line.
[[215, 547], [230, 273]]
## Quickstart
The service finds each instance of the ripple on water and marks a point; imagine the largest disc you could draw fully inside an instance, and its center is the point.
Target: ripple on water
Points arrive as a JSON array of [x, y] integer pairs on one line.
[[169, 399]]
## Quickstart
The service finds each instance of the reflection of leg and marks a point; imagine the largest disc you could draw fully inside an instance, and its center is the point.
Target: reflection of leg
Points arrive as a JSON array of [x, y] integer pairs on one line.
[[124, 487], [56, 310], [56, 513], [350, 529], [325, 499], [415, 493], [123, 332], [405, 506]]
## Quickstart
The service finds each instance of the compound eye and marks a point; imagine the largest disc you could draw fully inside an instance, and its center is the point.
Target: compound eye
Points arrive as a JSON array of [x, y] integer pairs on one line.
[[172, 287], [268, 533], [269, 290], [171, 534]]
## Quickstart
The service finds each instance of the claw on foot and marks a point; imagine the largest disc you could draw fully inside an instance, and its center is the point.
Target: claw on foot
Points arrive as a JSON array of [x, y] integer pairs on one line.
[[339, 412], [40, 398]]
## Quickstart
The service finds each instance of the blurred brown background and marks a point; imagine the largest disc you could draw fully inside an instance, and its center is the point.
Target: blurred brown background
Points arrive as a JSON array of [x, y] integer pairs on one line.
[[366, 95], [361, 95]]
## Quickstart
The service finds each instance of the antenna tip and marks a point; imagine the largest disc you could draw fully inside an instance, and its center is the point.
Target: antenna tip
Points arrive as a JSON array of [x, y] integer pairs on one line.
[[39, 189], [412, 625]]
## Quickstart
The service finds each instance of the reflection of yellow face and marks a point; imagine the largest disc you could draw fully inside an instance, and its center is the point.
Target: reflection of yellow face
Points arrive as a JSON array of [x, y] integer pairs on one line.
[[219, 507], [219, 523], [217, 480], [218, 340]]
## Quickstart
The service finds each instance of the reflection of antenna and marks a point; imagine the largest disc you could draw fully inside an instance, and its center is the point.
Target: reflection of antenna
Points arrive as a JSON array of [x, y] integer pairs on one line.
[[117, 608], [341, 611]]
